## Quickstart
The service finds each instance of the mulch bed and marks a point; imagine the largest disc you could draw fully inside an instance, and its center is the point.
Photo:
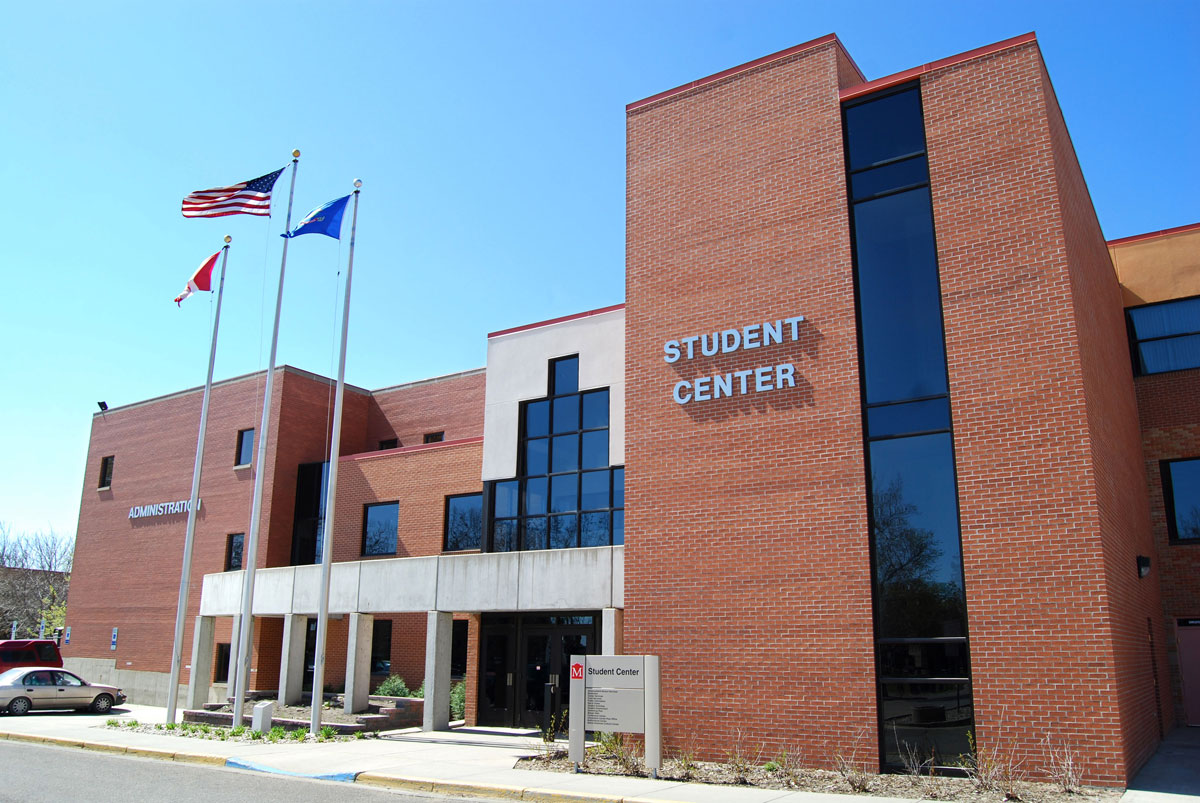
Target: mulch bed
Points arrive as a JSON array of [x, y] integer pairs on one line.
[[773, 775]]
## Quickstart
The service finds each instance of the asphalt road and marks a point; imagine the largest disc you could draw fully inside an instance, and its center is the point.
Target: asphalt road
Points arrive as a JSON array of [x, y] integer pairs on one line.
[[34, 773]]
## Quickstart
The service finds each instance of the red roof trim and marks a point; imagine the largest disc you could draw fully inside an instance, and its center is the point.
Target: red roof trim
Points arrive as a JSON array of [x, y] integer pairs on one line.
[[552, 321], [1152, 234], [908, 75], [749, 65], [420, 447]]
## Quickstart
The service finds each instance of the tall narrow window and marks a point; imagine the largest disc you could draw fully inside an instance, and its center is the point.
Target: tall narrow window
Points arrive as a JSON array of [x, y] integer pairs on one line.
[[1181, 495], [245, 448], [464, 522], [221, 665], [922, 669], [233, 551], [381, 647], [106, 471]]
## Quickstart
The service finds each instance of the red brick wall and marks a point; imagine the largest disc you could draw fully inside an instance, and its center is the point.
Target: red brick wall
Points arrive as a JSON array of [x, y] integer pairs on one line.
[[746, 558], [1049, 480], [124, 567], [1169, 406], [126, 571], [453, 405]]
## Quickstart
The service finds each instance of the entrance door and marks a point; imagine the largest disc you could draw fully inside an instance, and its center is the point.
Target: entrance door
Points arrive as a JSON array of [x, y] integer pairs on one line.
[[1188, 631], [497, 674], [524, 667]]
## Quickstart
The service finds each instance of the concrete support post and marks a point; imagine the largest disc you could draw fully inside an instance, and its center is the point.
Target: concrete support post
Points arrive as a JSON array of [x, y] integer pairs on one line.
[[244, 665], [200, 676], [439, 629], [358, 663], [612, 629], [291, 663]]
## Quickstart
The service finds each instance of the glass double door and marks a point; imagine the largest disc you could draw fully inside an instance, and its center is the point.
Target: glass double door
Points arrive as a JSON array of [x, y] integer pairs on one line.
[[524, 661]]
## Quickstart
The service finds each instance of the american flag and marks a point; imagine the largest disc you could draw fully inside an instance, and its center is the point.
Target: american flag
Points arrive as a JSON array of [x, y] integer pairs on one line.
[[251, 197]]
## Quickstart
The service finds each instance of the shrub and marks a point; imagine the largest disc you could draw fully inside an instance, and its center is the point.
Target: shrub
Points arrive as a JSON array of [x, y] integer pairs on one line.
[[113, 722], [255, 734], [393, 686], [238, 731], [328, 731], [299, 733], [458, 700]]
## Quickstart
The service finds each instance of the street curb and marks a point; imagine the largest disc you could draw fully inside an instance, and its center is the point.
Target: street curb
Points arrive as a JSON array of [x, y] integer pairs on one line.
[[480, 790], [392, 782], [201, 758], [242, 764]]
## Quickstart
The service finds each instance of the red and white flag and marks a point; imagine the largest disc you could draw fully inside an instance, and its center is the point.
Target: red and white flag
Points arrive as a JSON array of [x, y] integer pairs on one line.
[[201, 279]]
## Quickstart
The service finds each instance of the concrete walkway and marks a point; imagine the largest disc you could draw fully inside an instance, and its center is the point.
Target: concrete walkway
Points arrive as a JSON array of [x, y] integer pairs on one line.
[[479, 762]]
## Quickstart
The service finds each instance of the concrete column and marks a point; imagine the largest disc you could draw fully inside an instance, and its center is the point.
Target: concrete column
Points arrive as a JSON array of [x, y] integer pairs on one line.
[[439, 630], [291, 663], [358, 663], [233, 658], [200, 676], [612, 631]]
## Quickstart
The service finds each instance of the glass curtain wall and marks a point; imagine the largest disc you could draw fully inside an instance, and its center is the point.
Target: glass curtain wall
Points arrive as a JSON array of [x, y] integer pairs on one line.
[[922, 669]]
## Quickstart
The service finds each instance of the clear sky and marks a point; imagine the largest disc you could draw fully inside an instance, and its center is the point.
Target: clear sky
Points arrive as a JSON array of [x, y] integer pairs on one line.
[[490, 137]]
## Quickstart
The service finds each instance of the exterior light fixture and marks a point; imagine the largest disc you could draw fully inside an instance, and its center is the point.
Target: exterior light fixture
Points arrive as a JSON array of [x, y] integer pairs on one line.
[[102, 405], [1143, 566]]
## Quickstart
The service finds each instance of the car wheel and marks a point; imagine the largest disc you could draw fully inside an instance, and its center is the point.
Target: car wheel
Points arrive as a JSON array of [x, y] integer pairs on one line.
[[102, 704], [18, 706]]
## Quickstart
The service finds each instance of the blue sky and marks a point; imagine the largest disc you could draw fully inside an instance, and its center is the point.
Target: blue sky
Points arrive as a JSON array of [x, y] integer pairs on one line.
[[490, 139]]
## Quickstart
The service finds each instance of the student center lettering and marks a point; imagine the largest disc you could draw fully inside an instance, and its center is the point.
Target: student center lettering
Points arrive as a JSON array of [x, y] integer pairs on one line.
[[951, 503]]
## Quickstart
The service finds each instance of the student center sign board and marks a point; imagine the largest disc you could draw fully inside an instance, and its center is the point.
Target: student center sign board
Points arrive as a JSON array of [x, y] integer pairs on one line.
[[616, 694]]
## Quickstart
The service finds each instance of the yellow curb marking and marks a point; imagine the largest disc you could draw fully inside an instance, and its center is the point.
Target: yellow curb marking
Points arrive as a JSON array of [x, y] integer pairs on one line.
[[411, 784], [467, 789]]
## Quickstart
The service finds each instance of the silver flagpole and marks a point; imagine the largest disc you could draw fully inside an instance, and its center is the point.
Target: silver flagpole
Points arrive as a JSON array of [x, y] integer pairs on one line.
[[250, 549], [331, 494], [194, 503]]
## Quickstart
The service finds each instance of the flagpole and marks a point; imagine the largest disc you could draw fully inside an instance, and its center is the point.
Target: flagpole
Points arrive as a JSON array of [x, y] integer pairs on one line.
[[194, 503], [331, 493], [250, 550]]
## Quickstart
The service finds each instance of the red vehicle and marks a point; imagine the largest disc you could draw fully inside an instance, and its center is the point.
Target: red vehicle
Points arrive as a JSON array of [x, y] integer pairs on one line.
[[29, 652]]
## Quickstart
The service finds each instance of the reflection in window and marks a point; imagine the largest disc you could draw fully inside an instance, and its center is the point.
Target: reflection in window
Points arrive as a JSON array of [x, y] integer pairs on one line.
[[233, 551], [1181, 494], [1165, 336], [464, 522], [922, 658], [380, 525], [567, 494]]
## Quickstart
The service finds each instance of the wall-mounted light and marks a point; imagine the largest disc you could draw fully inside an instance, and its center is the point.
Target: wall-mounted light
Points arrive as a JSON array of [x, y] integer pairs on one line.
[[1143, 565], [102, 405]]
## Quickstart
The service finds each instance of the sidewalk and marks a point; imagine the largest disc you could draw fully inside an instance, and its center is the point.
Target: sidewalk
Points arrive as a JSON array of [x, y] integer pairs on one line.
[[471, 762]]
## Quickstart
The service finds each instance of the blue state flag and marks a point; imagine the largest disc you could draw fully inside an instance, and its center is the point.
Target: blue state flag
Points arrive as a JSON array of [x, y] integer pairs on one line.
[[325, 220]]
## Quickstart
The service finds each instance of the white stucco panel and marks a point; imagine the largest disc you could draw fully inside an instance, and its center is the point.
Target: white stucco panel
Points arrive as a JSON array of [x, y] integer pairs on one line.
[[517, 371], [221, 594], [478, 582], [273, 590]]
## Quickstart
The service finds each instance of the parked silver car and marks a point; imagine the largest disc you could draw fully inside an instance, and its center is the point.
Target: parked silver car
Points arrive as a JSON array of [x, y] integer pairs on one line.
[[29, 687]]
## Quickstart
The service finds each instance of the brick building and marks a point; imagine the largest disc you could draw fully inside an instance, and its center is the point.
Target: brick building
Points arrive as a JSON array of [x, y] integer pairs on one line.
[[912, 453]]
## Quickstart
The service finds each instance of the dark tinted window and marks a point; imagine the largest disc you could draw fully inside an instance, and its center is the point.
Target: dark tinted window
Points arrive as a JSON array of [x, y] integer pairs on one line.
[[901, 308], [885, 128], [389, 443], [380, 524], [918, 569], [106, 471], [245, 448], [233, 551], [381, 647], [929, 415], [434, 437], [564, 375], [47, 653], [1181, 493], [464, 522], [1166, 337], [221, 665]]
